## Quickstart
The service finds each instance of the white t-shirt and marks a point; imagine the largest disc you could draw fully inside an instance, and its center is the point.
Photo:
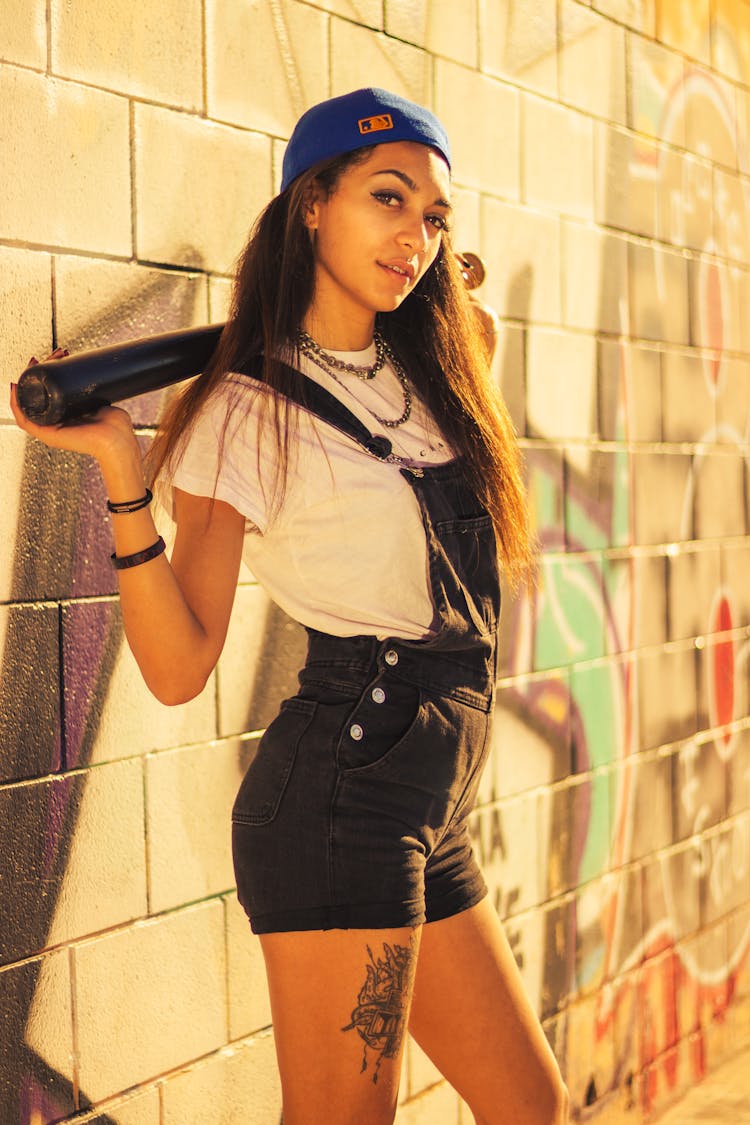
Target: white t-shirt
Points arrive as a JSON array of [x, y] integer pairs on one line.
[[346, 553]]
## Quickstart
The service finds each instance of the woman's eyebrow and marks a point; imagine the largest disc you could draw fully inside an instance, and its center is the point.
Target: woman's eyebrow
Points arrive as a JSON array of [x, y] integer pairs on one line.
[[409, 182]]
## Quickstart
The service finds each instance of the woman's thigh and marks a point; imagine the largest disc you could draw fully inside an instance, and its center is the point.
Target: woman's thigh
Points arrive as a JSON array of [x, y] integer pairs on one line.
[[340, 1002], [471, 1015]]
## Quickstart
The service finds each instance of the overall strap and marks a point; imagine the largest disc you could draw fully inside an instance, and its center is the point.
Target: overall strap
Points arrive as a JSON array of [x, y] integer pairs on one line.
[[308, 394]]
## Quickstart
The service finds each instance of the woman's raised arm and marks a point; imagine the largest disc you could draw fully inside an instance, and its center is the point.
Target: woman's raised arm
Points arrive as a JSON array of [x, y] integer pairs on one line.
[[175, 615]]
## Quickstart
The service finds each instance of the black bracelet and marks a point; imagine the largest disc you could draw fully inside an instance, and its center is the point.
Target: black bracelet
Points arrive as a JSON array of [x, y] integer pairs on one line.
[[129, 506], [124, 562]]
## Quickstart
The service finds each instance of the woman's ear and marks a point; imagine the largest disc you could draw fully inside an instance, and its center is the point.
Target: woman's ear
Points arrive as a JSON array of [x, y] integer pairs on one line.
[[311, 205]]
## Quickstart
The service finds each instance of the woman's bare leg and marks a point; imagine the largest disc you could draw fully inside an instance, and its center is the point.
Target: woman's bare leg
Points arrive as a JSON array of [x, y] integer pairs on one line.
[[340, 1002], [471, 1015]]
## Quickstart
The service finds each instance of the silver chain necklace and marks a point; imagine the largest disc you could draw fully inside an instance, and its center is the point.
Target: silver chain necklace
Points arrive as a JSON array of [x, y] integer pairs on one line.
[[312, 348], [328, 363]]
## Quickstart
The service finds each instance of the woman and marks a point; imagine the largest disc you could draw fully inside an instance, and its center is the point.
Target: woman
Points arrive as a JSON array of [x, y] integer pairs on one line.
[[347, 439]]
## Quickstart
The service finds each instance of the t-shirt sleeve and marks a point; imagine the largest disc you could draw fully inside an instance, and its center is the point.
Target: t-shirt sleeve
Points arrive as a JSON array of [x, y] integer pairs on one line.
[[232, 440]]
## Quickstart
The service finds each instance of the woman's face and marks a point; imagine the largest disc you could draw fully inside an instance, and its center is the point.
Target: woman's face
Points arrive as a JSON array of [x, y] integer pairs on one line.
[[375, 236]]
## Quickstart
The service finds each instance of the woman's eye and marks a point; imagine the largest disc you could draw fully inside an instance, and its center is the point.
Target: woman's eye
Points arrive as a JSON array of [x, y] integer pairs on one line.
[[438, 221], [389, 198]]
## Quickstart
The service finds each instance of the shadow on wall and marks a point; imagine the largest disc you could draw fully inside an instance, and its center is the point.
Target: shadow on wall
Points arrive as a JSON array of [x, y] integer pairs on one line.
[[54, 682]]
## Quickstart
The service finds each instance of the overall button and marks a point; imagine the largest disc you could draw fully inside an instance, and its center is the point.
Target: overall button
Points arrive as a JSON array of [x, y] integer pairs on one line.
[[378, 695], [356, 732], [391, 657]]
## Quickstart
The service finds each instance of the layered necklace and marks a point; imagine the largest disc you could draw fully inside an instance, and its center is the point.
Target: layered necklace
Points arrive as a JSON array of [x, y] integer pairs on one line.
[[331, 364]]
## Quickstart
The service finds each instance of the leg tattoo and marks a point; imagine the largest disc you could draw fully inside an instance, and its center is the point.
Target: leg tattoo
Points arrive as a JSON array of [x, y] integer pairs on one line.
[[381, 1012]]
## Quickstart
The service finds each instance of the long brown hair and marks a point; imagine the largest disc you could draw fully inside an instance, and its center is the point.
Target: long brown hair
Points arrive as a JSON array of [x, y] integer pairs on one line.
[[434, 332]]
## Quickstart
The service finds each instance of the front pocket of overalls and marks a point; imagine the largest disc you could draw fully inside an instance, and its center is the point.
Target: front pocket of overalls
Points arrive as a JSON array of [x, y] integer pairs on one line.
[[263, 785], [383, 718], [469, 543]]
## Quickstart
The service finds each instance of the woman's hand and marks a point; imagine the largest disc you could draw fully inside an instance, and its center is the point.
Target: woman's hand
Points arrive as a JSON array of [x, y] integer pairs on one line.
[[101, 435]]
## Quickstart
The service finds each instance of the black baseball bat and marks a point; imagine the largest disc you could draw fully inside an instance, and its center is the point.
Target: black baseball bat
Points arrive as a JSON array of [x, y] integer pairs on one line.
[[59, 390]]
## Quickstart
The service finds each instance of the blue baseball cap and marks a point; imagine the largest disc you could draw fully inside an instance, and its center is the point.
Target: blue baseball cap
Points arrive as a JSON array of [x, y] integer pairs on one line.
[[370, 116]]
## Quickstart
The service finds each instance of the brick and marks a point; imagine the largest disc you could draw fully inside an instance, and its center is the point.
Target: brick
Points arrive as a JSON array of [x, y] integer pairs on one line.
[[735, 560], [263, 652], [439, 1103], [289, 69], [711, 117], [592, 63], [730, 39], [666, 674], [714, 296], [39, 529], [693, 582], [564, 406], [109, 711], [531, 735], [600, 696], [556, 950], [722, 694], [720, 503], [135, 48], [558, 158], [738, 773], [35, 999], [545, 483], [685, 26], [658, 294], [638, 603], [730, 215], [594, 493], [104, 880], [189, 797], [569, 612], [590, 1057], [240, 1083], [522, 255], [142, 1109], [389, 63], [633, 13], [84, 135], [366, 12], [30, 743], [419, 1072], [482, 117], [615, 179], [509, 371], [692, 217], [630, 405], [700, 786], [518, 42], [507, 844], [157, 989], [408, 20], [65, 881], [103, 303], [595, 273], [219, 297], [23, 34], [249, 1003], [666, 475], [442, 28], [689, 404], [566, 803], [732, 400], [25, 313], [654, 72], [199, 187]]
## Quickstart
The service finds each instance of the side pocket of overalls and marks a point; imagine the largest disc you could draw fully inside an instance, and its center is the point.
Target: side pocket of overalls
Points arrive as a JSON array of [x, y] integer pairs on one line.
[[266, 779]]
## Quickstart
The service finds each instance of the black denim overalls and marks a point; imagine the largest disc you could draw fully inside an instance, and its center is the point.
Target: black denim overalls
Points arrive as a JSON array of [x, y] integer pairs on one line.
[[353, 813]]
